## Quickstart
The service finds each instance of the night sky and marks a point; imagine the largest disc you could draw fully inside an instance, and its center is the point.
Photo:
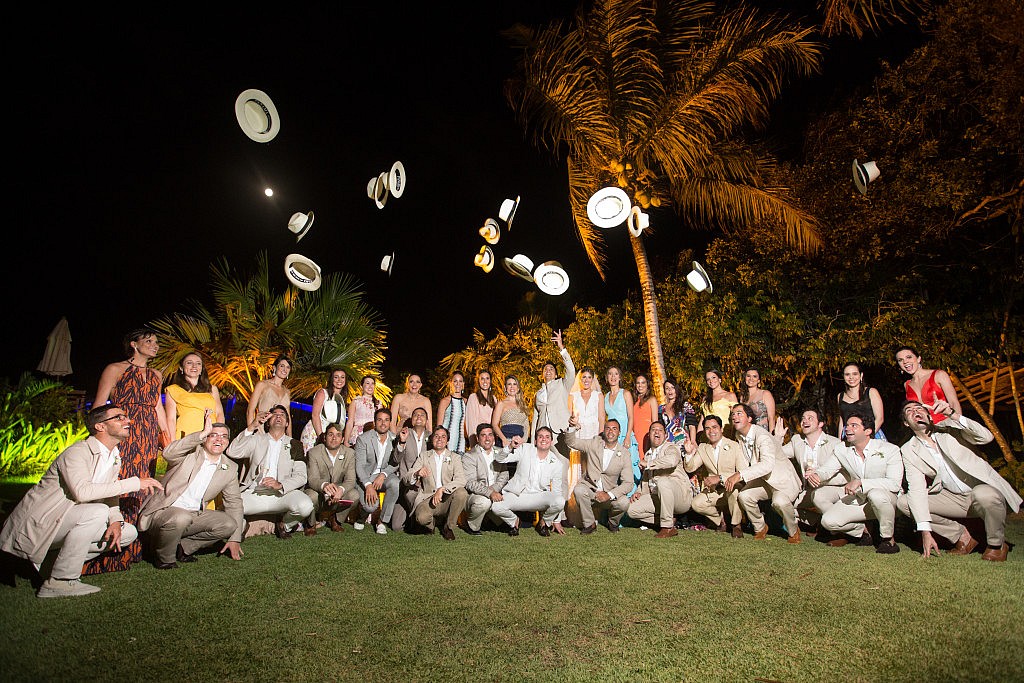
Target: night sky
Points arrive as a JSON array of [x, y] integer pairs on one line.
[[131, 173]]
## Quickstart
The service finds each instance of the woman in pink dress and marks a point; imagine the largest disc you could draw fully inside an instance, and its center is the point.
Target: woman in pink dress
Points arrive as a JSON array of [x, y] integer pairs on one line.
[[361, 410]]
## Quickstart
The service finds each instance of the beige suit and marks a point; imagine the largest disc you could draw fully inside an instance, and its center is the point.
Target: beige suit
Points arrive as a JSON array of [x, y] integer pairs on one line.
[[193, 529], [767, 475], [552, 409], [404, 456], [69, 510], [290, 502], [342, 473], [479, 467], [710, 502], [882, 479], [665, 489], [451, 478], [813, 502], [616, 479], [934, 506]]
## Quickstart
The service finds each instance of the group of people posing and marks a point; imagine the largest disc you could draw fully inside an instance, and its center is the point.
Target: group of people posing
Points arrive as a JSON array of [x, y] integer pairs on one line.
[[578, 458]]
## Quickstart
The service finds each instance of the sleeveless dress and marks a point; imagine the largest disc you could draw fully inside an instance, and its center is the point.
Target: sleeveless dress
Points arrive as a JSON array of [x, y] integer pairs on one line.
[[191, 409], [642, 425], [862, 406], [329, 414], [362, 410], [929, 392], [721, 408], [761, 414], [454, 419], [617, 410], [268, 400], [514, 422], [588, 413], [137, 392], [477, 413]]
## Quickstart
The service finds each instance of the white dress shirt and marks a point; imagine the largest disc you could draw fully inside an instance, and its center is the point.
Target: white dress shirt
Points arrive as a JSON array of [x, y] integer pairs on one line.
[[191, 498]]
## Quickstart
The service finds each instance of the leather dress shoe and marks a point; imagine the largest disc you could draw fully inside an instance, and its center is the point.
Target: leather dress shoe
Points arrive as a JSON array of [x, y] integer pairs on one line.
[[667, 533], [794, 539], [166, 565], [281, 531], [472, 532], [309, 530], [887, 547], [543, 529], [182, 556], [737, 531], [588, 530], [722, 527], [996, 554], [613, 527], [511, 530], [333, 525], [838, 542], [865, 539], [964, 548], [447, 533], [762, 534]]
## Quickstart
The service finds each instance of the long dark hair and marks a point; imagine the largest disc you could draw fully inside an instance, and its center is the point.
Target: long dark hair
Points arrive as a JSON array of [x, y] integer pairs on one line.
[[709, 395], [639, 399], [862, 388], [488, 398], [677, 405], [203, 384]]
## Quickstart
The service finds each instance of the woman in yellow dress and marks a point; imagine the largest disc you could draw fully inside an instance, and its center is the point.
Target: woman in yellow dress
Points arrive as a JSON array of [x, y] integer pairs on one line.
[[187, 397], [717, 401]]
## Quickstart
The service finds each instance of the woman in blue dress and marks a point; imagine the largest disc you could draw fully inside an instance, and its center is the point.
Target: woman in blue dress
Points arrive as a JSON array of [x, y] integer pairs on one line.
[[618, 405], [451, 413]]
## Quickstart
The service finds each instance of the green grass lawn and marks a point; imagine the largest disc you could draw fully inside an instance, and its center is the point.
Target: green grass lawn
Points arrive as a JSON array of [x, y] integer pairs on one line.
[[698, 607]]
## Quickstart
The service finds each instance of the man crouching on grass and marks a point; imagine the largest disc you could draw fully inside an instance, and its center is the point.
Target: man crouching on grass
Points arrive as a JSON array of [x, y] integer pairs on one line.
[[73, 509]]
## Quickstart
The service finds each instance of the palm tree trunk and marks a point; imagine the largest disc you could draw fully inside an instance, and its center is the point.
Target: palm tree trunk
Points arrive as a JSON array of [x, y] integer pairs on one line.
[[651, 325]]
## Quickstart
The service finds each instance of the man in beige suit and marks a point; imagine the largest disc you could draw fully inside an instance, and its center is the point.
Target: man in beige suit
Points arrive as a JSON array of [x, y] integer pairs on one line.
[[948, 480], [874, 473], [441, 485], [485, 480], [413, 439], [607, 477], [73, 509], [273, 480], [810, 450], [331, 480], [197, 472], [766, 474], [664, 486], [720, 458], [551, 403]]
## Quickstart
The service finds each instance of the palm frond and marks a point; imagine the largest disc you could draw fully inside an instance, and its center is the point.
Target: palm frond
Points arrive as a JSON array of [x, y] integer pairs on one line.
[[582, 185], [858, 17]]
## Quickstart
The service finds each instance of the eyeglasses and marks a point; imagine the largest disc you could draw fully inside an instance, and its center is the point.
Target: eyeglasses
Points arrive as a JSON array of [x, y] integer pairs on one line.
[[218, 437], [121, 418]]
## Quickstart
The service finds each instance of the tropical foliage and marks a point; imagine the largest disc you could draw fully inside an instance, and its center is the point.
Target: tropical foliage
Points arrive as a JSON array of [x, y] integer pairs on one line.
[[251, 324], [36, 423]]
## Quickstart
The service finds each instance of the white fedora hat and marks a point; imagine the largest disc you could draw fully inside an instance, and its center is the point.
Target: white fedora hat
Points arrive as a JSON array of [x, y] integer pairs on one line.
[[864, 174], [491, 232], [302, 272], [300, 223], [551, 278], [397, 179], [485, 259], [387, 263], [698, 279], [637, 222], [380, 190], [520, 266], [370, 186], [257, 115], [608, 207], [508, 211]]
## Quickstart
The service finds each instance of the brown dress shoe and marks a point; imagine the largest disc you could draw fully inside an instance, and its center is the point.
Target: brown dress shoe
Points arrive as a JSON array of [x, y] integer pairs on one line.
[[737, 531], [838, 542], [588, 529], [965, 548], [309, 530], [722, 527], [667, 533], [447, 534], [281, 531], [333, 525], [795, 538], [762, 534], [996, 554]]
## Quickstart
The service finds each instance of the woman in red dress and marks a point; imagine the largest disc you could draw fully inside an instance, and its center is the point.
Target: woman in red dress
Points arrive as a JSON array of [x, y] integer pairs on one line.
[[926, 385], [136, 388]]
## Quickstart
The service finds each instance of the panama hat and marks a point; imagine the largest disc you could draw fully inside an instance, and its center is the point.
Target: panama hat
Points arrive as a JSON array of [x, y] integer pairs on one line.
[[257, 115], [387, 263], [302, 272], [300, 223], [520, 266], [864, 174], [508, 211], [698, 279], [608, 207], [637, 222], [491, 232], [397, 179], [380, 190], [485, 259], [551, 278], [370, 186]]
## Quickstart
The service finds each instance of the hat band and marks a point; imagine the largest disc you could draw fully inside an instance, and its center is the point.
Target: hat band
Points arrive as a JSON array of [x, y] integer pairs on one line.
[[266, 112]]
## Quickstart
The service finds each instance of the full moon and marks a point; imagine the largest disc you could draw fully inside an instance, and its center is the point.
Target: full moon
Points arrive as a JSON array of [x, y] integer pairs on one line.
[[268, 192]]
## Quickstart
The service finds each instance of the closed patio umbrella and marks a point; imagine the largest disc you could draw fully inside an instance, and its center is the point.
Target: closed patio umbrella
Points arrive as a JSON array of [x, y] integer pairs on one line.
[[57, 359]]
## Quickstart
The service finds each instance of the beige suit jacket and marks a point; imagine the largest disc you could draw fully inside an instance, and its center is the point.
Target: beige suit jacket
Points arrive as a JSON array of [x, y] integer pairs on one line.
[[451, 476], [796, 450], [955, 441], [767, 462], [30, 530], [476, 464], [342, 473], [883, 466], [405, 454], [553, 410], [666, 461], [184, 458], [253, 447], [617, 479], [729, 456]]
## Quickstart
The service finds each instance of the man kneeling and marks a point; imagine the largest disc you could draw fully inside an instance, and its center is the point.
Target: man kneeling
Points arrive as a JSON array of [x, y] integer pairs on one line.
[[537, 486], [664, 485], [608, 478], [441, 484], [332, 485]]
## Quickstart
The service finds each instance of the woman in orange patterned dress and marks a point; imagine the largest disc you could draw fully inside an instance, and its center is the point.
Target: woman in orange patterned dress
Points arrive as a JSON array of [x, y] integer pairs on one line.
[[136, 388]]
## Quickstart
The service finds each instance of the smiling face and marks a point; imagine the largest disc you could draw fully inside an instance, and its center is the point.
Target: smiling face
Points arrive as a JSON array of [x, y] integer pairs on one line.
[[713, 430], [439, 439], [369, 385], [216, 441], [852, 375], [483, 380], [586, 380], [458, 384], [486, 438], [611, 432], [511, 388], [740, 420], [548, 373], [414, 384], [338, 380], [146, 346], [640, 385], [192, 367], [544, 440], [916, 416], [712, 380], [282, 369], [613, 376], [381, 422], [856, 433], [419, 418], [809, 422], [752, 378], [657, 434], [908, 361], [333, 438], [278, 418]]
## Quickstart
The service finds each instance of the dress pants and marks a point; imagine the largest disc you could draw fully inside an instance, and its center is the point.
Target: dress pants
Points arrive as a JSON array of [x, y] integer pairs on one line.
[[671, 497], [758, 490], [548, 503], [193, 529], [946, 507], [477, 507], [849, 518], [293, 506], [589, 507], [711, 504], [391, 487], [318, 500], [78, 539], [812, 503], [451, 506]]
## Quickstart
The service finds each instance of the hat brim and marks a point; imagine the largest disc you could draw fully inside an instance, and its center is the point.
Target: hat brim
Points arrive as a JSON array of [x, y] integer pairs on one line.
[[380, 191], [701, 277], [397, 179], [517, 268], [480, 262], [262, 102], [608, 207], [300, 279], [491, 231], [511, 213], [551, 278], [309, 224], [636, 221]]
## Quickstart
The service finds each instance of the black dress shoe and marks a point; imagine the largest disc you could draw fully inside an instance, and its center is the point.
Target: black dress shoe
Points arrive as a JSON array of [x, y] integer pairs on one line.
[[887, 547], [511, 530], [281, 531], [588, 529], [543, 529], [447, 534], [613, 528], [166, 565], [182, 556], [471, 532]]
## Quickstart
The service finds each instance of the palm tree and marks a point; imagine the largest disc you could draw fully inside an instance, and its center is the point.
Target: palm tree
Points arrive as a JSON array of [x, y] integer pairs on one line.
[[858, 17], [252, 324], [654, 97]]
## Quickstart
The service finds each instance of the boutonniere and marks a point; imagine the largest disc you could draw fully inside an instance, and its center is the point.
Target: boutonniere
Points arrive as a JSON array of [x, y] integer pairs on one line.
[[447, 458], [117, 461], [287, 447], [223, 466], [880, 454]]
